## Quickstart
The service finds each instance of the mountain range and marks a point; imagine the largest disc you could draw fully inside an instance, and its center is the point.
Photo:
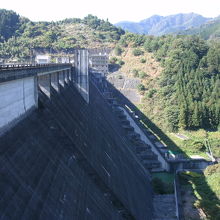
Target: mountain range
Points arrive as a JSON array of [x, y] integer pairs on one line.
[[160, 25], [208, 31]]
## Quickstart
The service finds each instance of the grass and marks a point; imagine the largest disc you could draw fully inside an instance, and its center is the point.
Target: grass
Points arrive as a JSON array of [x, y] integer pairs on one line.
[[186, 147], [197, 136], [174, 143], [206, 188], [163, 183], [177, 145], [165, 177]]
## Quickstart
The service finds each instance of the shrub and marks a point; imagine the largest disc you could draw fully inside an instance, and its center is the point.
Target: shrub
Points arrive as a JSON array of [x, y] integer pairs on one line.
[[198, 146], [161, 187], [135, 72], [212, 169], [120, 77], [141, 88], [123, 43], [142, 74], [137, 52], [158, 186], [143, 60], [113, 60], [121, 62], [118, 51], [151, 93]]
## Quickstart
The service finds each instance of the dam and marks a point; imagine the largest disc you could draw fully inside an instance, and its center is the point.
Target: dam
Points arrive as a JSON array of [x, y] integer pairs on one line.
[[70, 150], [63, 153]]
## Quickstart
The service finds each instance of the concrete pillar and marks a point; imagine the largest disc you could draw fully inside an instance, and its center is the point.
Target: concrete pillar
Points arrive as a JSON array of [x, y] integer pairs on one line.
[[65, 76], [44, 83], [74, 76], [70, 74], [61, 78], [82, 73], [36, 91], [54, 81]]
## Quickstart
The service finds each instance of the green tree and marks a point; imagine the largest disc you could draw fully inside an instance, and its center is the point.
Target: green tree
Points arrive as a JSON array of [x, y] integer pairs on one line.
[[141, 88], [182, 117], [9, 23], [137, 52], [118, 51]]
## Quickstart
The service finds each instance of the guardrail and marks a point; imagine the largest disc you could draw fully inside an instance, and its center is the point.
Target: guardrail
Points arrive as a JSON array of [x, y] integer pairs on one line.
[[13, 72], [21, 66]]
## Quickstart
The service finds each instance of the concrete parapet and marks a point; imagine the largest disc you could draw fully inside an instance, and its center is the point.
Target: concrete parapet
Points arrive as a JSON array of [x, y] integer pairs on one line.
[[55, 81], [44, 83], [13, 73]]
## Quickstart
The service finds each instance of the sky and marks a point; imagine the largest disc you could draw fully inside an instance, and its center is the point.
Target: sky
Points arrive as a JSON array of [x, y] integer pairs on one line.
[[113, 10]]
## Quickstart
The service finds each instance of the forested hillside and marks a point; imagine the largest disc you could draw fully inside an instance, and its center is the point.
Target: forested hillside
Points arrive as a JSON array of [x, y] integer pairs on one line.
[[10, 22], [18, 35], [188, 88], [208, 31]]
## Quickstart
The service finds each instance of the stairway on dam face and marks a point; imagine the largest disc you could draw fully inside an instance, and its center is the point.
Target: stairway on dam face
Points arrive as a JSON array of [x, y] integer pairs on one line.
[[163, 205], [141, 149]]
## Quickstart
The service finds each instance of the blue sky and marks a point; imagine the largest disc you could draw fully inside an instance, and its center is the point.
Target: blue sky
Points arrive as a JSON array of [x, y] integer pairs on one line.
[[114, 10]]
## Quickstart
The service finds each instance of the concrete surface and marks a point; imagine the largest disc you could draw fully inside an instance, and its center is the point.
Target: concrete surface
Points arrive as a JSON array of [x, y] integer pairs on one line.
[[16, 97]]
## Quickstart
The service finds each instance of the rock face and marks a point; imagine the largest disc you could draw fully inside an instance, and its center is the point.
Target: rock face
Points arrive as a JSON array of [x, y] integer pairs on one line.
[[127, 86], [164, 207], [159, 25]]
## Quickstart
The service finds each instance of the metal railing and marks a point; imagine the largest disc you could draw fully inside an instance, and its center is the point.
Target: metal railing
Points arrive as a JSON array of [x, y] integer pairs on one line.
[[30, 66]]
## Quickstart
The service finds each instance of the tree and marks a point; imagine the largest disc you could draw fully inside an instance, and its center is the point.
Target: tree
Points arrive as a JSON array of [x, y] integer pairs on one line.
[[142, 74], [141, 87], [196, 116], [118, 51], [137, 52], [213, 59], [9, 23], [182, 117]]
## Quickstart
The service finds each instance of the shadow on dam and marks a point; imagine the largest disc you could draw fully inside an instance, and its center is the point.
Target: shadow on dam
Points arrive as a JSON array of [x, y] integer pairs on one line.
[[70, 160], [143, 120]]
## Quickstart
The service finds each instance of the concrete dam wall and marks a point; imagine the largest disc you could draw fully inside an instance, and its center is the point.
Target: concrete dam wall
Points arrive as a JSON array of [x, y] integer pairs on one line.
[[17, 97], [68, 159]]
